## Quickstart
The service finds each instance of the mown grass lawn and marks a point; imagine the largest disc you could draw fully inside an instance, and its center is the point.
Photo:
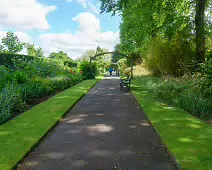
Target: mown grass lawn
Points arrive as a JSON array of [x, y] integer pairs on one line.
[[18, 136], [187, 138]]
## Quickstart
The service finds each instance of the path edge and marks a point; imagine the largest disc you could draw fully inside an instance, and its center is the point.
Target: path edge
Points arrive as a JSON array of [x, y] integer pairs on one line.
[[52, 127], [173, 159]]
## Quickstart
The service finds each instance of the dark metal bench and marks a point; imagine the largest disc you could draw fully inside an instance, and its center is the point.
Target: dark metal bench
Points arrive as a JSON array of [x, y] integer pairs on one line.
[[125, 82]]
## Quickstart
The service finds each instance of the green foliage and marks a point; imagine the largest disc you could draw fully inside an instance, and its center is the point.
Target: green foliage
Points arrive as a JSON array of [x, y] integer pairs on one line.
[[27, 77], [89, 70], [179, 92], [165, 57], [32, 51], [70, 63], [10, 101], [5, 76], [116, 57], [39, 52], [13, 60], [182, 133], [1, 48], [11, 43], [63, 58], [204, 81], [59, 56], [87, 55], [113, 6], [116, 66], [21, 134], [43, 67], [14, 97], [30, 78], [6, 60], [20, 76], [143, 21], [61, 83], [123, 64], [35, 88], [102, 61]]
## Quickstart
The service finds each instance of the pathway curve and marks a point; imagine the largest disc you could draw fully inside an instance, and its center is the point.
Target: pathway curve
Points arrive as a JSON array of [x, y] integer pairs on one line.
[[105, 130]]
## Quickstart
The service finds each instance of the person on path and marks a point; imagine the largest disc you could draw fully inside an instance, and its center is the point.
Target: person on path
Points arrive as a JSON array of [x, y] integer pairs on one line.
[[111, 70]]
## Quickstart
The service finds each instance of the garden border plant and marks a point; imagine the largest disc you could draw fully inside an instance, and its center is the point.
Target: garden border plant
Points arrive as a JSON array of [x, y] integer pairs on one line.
[[20, 135], [186, 137]]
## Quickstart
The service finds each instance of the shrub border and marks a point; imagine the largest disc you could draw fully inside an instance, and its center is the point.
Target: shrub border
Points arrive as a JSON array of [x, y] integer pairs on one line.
[[33, 145]]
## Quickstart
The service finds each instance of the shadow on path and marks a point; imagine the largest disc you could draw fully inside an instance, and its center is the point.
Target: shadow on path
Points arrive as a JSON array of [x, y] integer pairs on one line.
[[105, 130]]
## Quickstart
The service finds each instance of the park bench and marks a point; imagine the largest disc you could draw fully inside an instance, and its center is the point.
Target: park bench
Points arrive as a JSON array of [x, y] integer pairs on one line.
[[125, 82]]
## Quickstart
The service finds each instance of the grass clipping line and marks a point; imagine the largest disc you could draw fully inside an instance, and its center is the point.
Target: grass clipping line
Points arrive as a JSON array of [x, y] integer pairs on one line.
[[188, 138], [19, 135]]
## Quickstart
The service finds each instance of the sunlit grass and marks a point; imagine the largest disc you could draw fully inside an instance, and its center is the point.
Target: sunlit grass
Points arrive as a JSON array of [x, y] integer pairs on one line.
[[180, 92], [19, 135], [188, 138]]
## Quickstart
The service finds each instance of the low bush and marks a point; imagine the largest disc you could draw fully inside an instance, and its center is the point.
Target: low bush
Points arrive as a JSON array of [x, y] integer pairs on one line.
[[21, 134], [15, 97], [180, 92], [26, 78], [61, 83], [35, 88], [5, 76], [204, 80], [10, 102], [89, 70], [20, 76]]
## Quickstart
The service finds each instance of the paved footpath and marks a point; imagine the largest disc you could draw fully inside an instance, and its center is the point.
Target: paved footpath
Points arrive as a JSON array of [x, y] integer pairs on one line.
[[105, 130]]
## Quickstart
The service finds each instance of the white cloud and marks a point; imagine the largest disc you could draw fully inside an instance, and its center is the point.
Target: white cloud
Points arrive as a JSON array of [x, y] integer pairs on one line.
[[88, 37], [75, 45], [87, 4], [93, 8], [88, 22], [24, 14], [81, 2]]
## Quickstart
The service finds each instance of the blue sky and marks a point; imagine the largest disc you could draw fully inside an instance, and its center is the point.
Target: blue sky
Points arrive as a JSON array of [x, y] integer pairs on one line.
[[61, 19], [72, 26]]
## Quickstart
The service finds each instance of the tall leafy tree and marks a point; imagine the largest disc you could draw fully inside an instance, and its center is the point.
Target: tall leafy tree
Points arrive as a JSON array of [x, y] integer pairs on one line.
[[11, 43], [1, 48], [60, 55], [39, 52], [101, 60], [31, 50], [63, 57], [142, 20], [87, 54]]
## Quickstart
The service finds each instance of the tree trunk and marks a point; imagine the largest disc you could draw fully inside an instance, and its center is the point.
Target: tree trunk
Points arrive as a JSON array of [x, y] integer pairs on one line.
[[200, 30]]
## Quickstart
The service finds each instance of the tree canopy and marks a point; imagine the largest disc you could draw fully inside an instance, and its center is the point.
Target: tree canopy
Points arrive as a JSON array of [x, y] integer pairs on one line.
[[143, 20], [11, 43]]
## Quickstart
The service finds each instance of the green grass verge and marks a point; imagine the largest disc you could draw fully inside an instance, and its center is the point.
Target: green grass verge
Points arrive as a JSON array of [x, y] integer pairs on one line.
[[20, 135], [180, 92], [187, 138]]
